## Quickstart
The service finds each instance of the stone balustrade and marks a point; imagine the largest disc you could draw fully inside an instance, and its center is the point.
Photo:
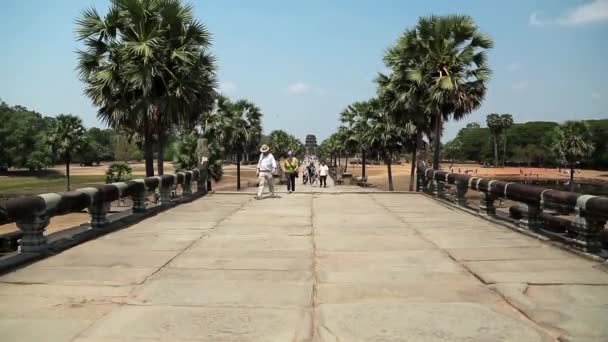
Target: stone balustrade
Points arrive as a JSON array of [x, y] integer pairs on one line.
[[538, 208], [32, 214]]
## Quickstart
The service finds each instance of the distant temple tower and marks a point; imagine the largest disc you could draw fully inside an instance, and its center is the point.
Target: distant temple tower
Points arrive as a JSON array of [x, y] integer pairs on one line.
[[311, 144]]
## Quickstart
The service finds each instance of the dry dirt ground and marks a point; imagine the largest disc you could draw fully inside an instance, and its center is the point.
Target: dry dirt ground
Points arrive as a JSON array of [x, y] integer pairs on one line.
[[377, 174]]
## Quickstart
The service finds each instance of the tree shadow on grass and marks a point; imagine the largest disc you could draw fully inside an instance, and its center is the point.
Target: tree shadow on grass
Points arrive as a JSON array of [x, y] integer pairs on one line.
[[37, 174]]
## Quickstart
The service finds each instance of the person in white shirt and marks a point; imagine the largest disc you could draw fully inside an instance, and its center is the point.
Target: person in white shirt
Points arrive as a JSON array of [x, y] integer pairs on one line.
[[267, 166], [323, 172]]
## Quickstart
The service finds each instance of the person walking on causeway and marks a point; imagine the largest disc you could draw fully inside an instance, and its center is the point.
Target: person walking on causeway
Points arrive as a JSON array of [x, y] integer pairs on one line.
[[267, 167], [290, 165]]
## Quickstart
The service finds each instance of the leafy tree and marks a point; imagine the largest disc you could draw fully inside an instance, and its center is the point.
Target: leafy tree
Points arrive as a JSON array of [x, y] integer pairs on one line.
[[574, 144], [66, 137], [473, 125], [146, 66], [118, 172], [22, 136], [186, 157]]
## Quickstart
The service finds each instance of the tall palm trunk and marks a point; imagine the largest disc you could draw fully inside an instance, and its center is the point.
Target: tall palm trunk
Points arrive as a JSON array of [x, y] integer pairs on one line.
[[67, 171], [413, 170], [238, 169], [160, 157], [437, 141], [504, 151], [389, 169], [149, 155], [496, 150], [346, 163], [363, 164], [572, 177]]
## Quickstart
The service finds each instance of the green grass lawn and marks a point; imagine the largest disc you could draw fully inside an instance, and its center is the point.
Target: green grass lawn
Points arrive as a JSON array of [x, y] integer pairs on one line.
[[31, 185]]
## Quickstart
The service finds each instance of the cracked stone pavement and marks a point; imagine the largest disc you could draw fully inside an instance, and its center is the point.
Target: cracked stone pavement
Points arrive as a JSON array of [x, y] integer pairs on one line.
[[308, 267]]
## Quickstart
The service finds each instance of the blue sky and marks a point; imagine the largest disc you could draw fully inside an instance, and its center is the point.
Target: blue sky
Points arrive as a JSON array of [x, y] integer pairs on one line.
[[302, 62]]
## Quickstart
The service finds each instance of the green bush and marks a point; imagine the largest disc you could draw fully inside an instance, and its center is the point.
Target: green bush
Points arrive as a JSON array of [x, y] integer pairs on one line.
[[118, 172]]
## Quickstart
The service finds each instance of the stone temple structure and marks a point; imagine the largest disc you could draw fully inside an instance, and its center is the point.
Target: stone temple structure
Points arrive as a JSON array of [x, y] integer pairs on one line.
[[311, 144]]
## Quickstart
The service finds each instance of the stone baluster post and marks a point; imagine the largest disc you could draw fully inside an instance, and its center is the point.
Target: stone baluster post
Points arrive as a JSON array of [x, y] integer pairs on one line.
[[438, 187], [530, 216], [486, 205], [462, 186], [187, 185], [139, 196], [165, 190], [99, 214], [101, 201], [586, 226], [33, 240]]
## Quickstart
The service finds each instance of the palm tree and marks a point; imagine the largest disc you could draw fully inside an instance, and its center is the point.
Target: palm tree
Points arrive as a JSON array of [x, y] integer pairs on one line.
[[446, 56], [186, 157], [386, 136], [405, 101], [574, 144], [507, 122], [494, 123], [246, 128], [355, 119], [280, 142], [146, 66], [66, 137]]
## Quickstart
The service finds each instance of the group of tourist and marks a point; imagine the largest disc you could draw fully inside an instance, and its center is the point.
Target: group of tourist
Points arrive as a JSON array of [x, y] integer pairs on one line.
[[267, 167]]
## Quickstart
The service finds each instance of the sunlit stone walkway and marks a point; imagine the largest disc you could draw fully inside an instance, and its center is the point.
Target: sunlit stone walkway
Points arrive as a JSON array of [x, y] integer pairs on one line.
[[302, 267]]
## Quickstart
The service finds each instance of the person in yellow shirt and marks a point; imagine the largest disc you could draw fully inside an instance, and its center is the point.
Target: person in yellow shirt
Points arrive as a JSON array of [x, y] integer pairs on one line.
[[291, 165]]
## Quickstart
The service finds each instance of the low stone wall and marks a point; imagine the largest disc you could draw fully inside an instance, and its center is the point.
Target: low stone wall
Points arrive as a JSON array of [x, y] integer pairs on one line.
[[538, 209], [32, 214]]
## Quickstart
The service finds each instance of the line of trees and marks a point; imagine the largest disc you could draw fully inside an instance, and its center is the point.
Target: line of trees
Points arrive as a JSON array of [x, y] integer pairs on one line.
[[438, 71], [532, 143], [25, 141]]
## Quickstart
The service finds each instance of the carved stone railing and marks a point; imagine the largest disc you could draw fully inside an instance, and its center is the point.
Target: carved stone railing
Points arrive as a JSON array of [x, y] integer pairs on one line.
[[32, 214], [538, 209]]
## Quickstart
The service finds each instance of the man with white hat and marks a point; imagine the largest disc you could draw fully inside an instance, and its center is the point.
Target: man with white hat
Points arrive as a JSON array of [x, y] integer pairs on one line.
[[267, 166]]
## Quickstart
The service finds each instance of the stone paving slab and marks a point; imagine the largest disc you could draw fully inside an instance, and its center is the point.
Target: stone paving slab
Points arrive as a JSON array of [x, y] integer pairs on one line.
[[371, 243], [147, 241], [541, 252], [429, 322], [576, 311], [478, 239], [112, 257], [79, 275], [174, 323], [229, 293], [196, 275]]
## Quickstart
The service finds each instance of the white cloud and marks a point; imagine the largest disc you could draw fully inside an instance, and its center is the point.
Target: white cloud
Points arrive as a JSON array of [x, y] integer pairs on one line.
[[515, 66], [521, 85], [596, 96], [594, 11], [535, 20], [227, 87], [298, 88], [589, 12]]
